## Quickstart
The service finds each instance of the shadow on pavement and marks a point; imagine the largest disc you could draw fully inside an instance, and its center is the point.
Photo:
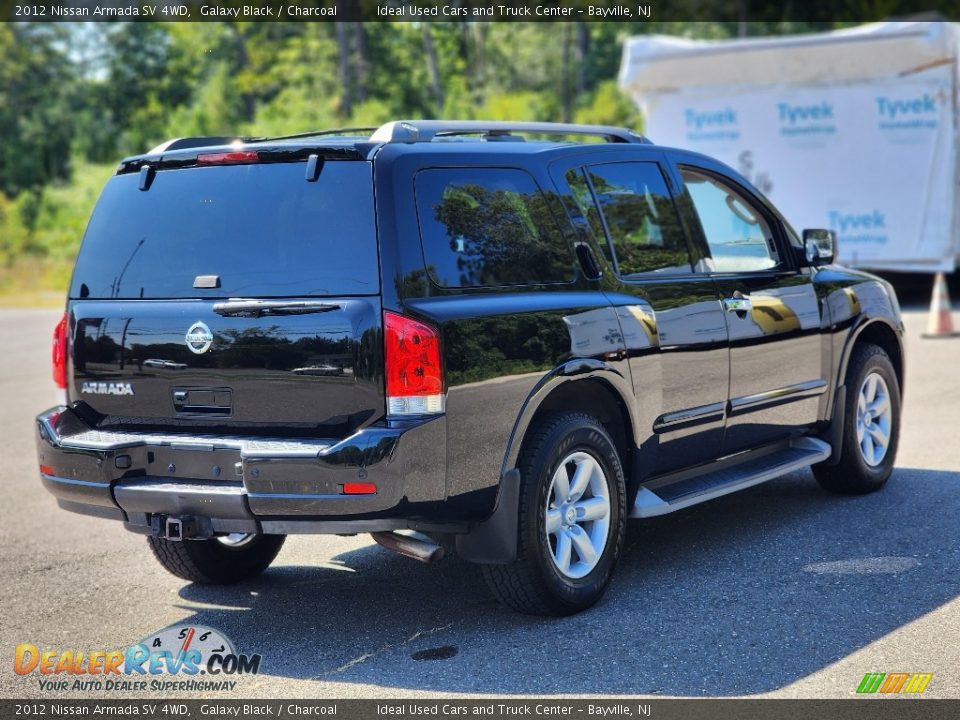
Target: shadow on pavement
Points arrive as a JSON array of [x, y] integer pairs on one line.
[[742, 595]]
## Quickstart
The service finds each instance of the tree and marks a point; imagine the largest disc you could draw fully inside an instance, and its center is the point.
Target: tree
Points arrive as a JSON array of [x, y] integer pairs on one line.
[[343, 45], [36, 124]]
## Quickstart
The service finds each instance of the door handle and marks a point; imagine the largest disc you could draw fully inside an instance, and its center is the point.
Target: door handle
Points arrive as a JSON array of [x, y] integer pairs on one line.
[[588, 262], [739, 303]]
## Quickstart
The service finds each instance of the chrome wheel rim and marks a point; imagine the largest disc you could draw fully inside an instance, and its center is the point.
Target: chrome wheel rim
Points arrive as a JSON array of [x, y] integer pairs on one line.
[[235, 540], [874, 419], [577, 515]]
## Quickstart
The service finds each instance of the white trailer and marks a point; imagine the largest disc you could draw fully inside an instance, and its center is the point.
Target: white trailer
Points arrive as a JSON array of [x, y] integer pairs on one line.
[[854, 130]]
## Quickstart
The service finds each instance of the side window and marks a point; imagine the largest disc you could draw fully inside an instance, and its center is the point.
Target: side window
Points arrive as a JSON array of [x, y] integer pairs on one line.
[[484, 227], [739, 238], [640, 218], [587, 208]]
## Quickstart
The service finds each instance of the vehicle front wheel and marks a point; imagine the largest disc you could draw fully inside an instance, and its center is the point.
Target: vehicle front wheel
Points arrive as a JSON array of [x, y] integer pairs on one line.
[[871, 428], [571, 519], [220, 560]]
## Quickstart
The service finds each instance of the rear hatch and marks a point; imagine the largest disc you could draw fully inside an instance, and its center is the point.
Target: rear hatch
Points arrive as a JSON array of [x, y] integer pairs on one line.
[[233, 297]]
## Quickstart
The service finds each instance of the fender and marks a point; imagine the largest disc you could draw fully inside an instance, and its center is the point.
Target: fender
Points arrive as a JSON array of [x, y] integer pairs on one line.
[[872, 301], [494, 540], [571, 371], [833, 432], [863, 322]]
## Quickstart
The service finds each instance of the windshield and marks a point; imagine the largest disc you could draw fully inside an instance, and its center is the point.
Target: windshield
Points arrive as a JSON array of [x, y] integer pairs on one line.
[[261, 230]]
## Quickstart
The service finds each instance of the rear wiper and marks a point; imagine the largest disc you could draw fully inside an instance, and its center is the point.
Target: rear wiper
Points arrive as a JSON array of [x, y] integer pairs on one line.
[[259, 308]]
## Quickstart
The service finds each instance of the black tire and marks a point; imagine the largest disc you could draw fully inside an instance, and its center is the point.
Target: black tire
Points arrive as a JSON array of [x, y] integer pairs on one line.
[[533, 583], [212, 562], [853, 475]]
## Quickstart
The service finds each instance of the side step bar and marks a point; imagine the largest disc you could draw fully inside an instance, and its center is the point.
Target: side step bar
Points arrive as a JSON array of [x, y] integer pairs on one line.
[[668, 494]]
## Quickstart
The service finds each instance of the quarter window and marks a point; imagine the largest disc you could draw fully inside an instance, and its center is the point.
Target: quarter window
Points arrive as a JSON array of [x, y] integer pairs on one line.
[[739, 238], [640, 218], [489, 227]]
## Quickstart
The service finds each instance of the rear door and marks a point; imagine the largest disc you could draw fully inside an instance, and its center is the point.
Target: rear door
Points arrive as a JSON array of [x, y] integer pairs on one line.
[[777, 373], [670, 316], [236, 296]]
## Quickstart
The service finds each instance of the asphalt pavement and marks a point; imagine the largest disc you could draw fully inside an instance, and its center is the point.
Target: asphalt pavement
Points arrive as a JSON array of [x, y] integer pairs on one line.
[[782, 590]]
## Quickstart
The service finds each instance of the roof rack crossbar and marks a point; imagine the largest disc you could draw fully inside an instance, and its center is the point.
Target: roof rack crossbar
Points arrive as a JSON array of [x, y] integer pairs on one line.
[[418, 131]]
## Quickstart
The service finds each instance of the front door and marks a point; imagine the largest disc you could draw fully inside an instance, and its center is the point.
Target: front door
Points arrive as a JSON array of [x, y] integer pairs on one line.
[[771, 310]]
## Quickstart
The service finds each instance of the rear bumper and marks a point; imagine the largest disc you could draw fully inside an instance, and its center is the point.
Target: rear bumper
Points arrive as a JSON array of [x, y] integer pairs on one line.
[[242, 484]]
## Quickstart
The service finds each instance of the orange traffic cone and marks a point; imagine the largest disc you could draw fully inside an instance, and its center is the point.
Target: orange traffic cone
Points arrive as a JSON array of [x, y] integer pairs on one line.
[[941, 314]]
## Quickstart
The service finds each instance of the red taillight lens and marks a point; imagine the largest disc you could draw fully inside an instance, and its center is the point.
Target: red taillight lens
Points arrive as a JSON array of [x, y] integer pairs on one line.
[[60, 353], [359, 488], [228, 158], [414, 375]]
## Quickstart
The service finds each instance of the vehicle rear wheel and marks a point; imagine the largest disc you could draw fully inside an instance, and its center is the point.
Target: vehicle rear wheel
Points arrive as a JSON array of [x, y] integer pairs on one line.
[[218, 561], [571, 521], [871, 425]]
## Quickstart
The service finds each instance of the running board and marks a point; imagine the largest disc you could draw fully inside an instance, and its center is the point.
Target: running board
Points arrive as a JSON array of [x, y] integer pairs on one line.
[[665, 495]]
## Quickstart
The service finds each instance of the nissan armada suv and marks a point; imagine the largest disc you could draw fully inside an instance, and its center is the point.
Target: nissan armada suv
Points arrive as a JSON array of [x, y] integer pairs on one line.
[[497, 338]]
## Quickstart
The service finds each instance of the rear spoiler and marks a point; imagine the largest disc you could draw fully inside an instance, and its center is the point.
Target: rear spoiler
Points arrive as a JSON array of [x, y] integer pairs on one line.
[[182, 157]]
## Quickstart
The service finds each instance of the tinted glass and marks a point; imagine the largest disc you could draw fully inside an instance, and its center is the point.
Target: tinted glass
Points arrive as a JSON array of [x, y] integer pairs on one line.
[[739, 238], [263, 229], [585, 207], [640, 218], [488, 227]]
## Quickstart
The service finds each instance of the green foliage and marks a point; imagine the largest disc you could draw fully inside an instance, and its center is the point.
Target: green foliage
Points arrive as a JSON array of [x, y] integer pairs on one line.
[[35, 122], [76, 97], [609, 106]]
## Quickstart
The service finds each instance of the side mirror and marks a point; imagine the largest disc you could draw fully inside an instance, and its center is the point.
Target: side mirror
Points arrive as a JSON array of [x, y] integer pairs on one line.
[[819, 246]]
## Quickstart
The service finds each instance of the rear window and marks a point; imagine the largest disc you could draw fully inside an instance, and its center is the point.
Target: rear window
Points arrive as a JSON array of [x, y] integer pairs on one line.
[[262, 229], [485, 227]]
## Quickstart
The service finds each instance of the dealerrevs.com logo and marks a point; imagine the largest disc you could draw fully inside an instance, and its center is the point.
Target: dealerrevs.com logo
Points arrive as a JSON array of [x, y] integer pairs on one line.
[[179, 657]]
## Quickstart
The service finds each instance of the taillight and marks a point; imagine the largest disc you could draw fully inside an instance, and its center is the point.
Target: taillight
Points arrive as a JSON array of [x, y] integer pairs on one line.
[[60, 353], [414, 375], [228, 158]]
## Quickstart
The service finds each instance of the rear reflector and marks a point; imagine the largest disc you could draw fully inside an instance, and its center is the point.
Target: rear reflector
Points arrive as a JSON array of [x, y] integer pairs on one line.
[[359, 489], [60, 353], [46, 470], [228, 158], [413, 369]]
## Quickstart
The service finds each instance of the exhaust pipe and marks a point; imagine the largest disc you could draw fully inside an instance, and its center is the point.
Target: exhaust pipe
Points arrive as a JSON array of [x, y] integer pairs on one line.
[[411, 547]]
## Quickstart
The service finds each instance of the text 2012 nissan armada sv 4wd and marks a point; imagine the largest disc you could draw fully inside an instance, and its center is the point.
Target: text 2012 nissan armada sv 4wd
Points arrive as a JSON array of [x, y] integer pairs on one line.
[[488, 336]]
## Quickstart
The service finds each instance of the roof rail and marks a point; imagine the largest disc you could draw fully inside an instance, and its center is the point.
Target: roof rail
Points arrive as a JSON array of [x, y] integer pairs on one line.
[[418, 131]]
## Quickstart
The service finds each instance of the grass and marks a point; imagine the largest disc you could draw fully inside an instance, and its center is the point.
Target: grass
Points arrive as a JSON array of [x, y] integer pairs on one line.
[[34, 282], [35, 266]]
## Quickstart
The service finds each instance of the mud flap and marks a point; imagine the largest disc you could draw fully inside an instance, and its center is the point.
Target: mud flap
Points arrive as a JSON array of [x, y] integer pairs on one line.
[[494, 541]]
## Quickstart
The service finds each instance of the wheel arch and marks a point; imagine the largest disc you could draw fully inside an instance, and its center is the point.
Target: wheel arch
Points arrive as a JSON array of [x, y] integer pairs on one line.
[[882, 333], [596, 389]]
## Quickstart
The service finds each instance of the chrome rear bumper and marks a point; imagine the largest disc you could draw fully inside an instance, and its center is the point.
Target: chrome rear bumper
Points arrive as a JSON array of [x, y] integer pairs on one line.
[[247, 484]]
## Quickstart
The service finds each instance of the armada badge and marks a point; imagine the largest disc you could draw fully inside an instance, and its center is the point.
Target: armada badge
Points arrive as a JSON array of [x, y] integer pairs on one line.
[[107, 388], [199, 338]]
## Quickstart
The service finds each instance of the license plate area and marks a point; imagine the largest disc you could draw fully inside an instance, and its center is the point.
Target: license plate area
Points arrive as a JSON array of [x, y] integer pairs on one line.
[[170, 462]]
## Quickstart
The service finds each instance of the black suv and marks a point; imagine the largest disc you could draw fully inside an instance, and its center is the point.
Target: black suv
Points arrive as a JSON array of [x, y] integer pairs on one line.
[[493, 337]]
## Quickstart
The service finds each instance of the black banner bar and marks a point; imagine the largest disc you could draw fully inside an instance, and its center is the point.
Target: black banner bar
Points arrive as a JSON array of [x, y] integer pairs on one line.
[[458, 709], [811, 11]]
